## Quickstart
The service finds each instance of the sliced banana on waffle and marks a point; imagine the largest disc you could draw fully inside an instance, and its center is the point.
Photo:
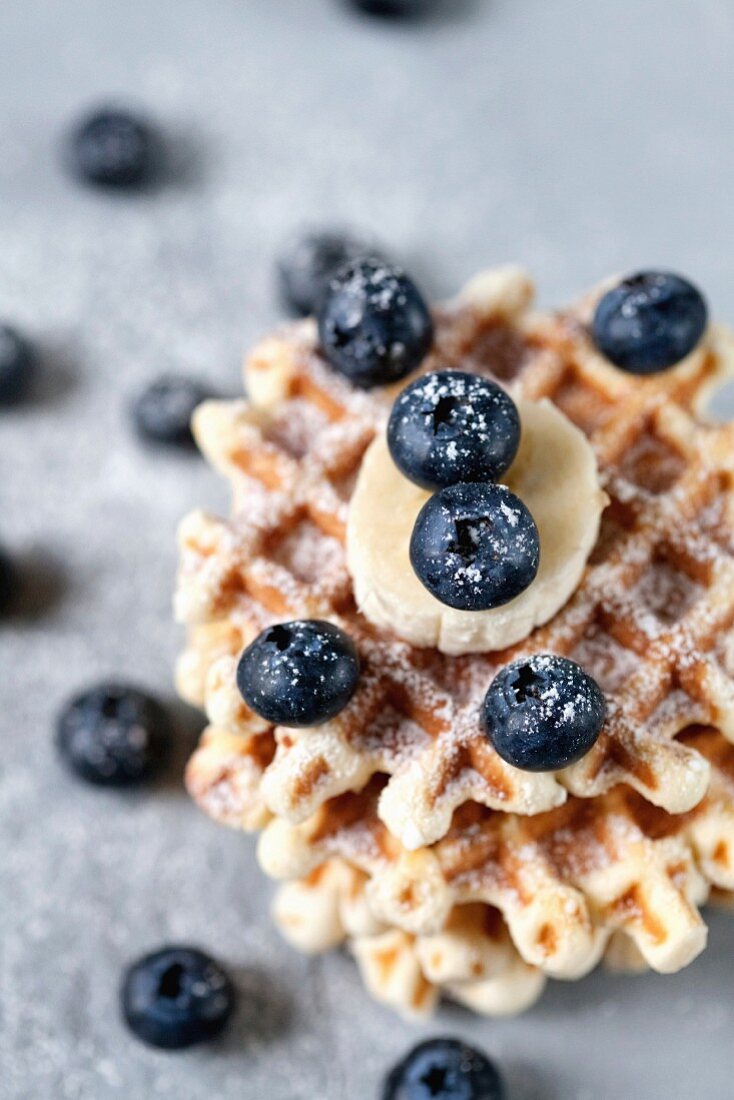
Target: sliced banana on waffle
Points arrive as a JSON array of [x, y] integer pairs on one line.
[[554, 474]]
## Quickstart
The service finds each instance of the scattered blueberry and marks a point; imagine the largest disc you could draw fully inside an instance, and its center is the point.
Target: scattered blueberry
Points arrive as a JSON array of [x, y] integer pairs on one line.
[[309, 261], [112, 148], [450, 426], [543, 713], [176, 997], [113, 735], [444, 1069], [16, 363], [8, 580], [299, 674], [374, 326], [393, 8], [649, 322], [163, 411], [475, 546]]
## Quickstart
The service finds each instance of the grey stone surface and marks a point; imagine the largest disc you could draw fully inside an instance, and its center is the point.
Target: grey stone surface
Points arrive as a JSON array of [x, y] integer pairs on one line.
[[577, 138]]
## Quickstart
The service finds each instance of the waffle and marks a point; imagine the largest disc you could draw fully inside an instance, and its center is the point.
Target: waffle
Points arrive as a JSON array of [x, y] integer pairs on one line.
[[565, 881], [612, 878], [396, 827], [472, 959], [651, 618], [643, 875]]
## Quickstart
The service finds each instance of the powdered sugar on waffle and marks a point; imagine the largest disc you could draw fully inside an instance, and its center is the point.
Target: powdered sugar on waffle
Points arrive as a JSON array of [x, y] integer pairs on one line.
[[432, 747], [405, 762]]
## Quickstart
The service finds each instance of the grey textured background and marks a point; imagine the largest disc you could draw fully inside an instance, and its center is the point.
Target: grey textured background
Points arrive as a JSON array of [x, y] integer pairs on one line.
[[577, 138]]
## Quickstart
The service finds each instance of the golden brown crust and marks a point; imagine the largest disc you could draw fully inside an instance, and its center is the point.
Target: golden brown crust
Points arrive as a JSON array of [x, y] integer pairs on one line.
[[403, 785]]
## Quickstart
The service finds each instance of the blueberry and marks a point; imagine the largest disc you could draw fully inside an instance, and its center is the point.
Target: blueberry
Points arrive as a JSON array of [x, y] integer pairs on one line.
[[444, 1069], [475, 546], [16, 363], [450, 426], [309, 261], [163, 411], [112, 148], [176, 997], [649, 322], [8, 580], [374, 326], [543, 713], [299, 674], [113, 735], [392, 8]]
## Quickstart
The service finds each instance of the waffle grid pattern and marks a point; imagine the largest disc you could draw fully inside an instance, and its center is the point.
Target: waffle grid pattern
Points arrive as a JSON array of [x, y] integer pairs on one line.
[[651, 620]]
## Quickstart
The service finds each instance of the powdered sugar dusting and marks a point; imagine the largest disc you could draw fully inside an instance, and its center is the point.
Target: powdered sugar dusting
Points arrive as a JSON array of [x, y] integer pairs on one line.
[[637, 620]]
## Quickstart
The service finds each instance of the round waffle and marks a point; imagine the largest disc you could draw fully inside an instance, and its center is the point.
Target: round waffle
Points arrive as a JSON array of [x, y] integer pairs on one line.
[[403, 783], [565, 881], [471, 959]]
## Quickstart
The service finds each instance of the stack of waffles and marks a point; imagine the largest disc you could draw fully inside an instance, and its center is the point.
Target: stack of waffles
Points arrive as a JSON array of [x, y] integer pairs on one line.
[[395, 828]]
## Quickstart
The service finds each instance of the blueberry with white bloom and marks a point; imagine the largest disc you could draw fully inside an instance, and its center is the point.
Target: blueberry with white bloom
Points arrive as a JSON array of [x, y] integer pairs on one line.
[[301, 673], [451, 426], [162, 412], [113, 735], [543, 713], [649, 322], [374, 325], [113, 148], [309, 260], [176, 997], [444, 1069], [475, 546]]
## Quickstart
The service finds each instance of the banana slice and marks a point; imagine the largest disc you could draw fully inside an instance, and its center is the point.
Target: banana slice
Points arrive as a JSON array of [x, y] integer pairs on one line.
[[554, 474]]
